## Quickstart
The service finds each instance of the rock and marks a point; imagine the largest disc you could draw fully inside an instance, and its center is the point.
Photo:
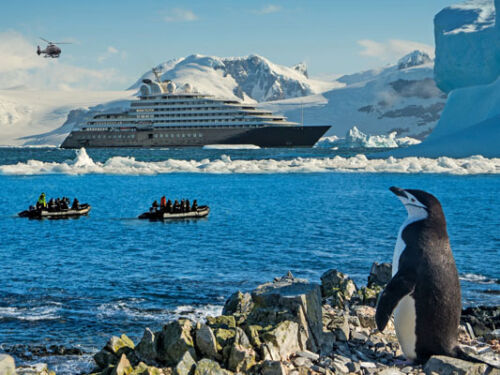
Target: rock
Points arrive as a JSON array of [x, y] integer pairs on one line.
[[206, 342], [242, 355], [186, 365], [493, 335], [293, 300], [452, 366], [35, 369], [390, 371], [272, 368], [339, 325], [223, 321], [238, 303], [281, 342], [302, 362], [7, 365], [252, 332], [380, 274], [146, 349], [369, 296], [366, 316], [337, 286], [104, 358], [123, 366], [224, 337], [174, 340], [307, 354], [116, 343], [209, 367]]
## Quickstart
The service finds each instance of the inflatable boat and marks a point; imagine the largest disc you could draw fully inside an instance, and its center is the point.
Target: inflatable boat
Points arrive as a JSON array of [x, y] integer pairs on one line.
[[43, 213], [201, 211]]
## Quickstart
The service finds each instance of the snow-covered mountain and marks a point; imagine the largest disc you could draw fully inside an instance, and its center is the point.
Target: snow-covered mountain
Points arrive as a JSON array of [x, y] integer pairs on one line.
[[400, 98], [468, 67], [34, 117], [251, 78]]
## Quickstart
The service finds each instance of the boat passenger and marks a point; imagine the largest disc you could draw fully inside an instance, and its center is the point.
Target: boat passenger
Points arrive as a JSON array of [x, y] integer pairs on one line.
[[58, 204], [168, 207], [188, 207], [154, 206], [75, 205], [194, 207], [41, 203], [177, 206], [163, 202], [52, 205]]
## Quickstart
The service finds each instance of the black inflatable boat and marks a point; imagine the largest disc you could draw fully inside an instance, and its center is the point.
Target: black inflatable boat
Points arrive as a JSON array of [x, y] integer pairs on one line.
[[43, 213], [201, 211]]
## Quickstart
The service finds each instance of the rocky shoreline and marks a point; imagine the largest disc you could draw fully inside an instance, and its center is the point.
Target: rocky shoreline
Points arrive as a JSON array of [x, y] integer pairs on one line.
[[290, 327]]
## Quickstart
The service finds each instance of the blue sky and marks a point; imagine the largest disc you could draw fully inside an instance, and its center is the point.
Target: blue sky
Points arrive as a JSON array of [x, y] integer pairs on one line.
[[126, 38]]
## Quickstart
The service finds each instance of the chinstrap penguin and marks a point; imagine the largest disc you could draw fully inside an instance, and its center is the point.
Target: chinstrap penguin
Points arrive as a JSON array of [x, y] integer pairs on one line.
[[424, 292]]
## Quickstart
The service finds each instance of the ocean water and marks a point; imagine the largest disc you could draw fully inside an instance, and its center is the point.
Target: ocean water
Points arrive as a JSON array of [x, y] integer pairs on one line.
[[76, 282]]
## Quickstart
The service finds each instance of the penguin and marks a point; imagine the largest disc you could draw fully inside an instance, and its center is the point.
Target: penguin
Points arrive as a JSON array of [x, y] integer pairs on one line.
[[424, 292]]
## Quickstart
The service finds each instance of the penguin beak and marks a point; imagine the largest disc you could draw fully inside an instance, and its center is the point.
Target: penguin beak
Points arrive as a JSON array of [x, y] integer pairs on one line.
[[398, 191]]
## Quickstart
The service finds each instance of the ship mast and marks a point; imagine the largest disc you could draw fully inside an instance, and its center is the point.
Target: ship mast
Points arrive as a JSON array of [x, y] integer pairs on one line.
[[156, 72]]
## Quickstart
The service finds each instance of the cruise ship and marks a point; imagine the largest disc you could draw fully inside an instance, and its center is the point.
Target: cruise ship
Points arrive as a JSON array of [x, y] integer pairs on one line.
[[164, 116]]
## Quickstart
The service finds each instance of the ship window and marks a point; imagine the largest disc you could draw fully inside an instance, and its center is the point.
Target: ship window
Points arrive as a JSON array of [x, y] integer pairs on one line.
[[156, 135], [200, 135], [178, 135]]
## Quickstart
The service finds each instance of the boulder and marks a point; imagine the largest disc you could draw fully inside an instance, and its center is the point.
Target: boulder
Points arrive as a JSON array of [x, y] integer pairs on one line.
[[209, 367], [272, 368], [380, 274], [186, 365], [337, 287], [34, 369], [453, 366], [366, 316], [146, 349], [238, 303], [290, 299], [112, 351], [7, 365], [224, 337], [222, 321], [174, 340], [242, 355], [206, 342], [123, 367], [282, 341], [338, 323]]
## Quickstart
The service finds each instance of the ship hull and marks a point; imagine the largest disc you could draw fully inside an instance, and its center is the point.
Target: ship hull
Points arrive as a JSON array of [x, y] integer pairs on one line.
[[268, 136]]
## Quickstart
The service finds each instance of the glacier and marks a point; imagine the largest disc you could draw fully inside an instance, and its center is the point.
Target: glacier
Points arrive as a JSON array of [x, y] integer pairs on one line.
[[467, 66]]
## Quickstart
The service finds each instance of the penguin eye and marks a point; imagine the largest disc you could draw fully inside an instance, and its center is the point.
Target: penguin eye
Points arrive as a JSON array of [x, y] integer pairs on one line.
[[413, 200]]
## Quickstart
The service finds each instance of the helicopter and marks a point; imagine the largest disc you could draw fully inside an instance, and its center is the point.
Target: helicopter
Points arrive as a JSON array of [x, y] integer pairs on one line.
[[51, 50]]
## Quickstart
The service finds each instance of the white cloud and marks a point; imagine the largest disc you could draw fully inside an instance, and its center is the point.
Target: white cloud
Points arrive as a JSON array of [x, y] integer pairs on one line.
[[392, 49], [21, 66], [110, 51], [181, 15], [270, 8]]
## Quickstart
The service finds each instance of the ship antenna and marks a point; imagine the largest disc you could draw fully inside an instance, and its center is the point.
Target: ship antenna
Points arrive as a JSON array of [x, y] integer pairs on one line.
[[157, 74]]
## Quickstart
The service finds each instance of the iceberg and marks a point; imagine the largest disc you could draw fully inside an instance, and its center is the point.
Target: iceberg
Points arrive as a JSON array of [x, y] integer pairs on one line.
[[357, 139], [467, 67]]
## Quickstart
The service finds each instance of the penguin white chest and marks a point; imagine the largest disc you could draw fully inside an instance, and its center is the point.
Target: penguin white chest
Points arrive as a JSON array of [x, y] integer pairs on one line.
[[405, 323]]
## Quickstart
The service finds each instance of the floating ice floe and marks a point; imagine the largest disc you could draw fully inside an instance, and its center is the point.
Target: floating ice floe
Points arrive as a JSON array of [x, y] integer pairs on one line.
[[119, 165], [356, 139]]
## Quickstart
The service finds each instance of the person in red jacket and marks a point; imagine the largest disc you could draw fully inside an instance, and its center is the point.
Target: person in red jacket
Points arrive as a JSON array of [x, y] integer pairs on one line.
[[163, 202]]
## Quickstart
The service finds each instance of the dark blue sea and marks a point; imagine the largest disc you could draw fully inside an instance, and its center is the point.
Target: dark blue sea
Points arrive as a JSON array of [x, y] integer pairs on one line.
[[76, 282]]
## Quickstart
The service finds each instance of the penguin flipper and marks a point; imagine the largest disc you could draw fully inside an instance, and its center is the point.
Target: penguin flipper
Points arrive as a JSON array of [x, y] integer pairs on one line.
[[400, 286]]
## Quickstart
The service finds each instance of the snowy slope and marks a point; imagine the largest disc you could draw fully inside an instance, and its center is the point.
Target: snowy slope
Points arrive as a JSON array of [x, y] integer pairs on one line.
[[400, 98], [468, 64], [26, 112], [252, 78]]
